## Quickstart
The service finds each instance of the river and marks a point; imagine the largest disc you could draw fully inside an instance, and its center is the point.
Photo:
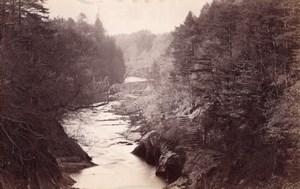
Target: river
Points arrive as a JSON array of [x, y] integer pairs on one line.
[[99, 134]]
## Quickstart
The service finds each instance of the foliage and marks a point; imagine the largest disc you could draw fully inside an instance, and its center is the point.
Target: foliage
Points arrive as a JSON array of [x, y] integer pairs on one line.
[[239, 63], [47, 68], [165, 101], [142, 49]]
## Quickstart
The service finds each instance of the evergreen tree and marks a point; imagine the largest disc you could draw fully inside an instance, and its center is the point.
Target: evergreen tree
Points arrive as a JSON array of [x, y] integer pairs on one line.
[[98, 28], [183, 45], [240, 57]]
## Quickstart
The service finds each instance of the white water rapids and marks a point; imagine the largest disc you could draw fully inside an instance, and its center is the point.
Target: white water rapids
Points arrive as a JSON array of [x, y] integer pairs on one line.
[[99, 134]]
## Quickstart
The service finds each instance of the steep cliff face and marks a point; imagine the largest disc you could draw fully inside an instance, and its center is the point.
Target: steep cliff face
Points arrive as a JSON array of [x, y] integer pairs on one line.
[[142, 49], [25, 159], [31, 155]]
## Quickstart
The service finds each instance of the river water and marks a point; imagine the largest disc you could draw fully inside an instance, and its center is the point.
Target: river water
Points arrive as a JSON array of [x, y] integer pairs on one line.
[[99, 133]]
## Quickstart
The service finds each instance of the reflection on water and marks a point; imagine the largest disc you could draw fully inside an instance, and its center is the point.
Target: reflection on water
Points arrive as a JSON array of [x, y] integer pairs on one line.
[[117, 167]]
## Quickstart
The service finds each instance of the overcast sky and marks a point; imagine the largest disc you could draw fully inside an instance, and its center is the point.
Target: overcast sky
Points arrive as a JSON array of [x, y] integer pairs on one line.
[[127, 16]]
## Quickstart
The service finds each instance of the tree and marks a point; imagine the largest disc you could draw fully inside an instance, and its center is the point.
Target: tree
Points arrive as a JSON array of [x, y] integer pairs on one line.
[[240, 59], [155, 73], [98, 28], [183, 45], [45, 73]]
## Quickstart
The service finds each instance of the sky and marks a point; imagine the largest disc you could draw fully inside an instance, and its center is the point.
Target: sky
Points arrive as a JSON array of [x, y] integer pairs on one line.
[[128, 16]]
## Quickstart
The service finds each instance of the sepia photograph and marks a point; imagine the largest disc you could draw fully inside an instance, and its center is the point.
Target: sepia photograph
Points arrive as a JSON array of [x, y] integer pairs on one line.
[[149, 94]]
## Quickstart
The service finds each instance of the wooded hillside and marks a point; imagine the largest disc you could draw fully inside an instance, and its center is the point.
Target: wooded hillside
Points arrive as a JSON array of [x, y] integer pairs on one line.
[[229, 111], [143, 49], [47, 68]]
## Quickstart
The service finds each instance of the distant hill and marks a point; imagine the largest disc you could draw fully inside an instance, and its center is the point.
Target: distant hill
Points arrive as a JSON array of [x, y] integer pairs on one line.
[[142, 49]]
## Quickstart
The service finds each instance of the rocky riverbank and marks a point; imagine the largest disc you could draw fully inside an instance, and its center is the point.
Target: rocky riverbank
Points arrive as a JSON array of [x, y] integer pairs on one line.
[[180, 159], [51, 155], [182, 166], [69, 155], [175, 147]]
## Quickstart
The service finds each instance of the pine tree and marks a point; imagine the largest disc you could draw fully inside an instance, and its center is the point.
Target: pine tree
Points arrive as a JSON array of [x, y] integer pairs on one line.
[[98, 29], [239, 57], [183, 45]]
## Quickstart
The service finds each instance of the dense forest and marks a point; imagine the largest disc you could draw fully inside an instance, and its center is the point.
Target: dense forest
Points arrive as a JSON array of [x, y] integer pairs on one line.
[[224, 115], [48, 68], [142, 50], [228, 114]]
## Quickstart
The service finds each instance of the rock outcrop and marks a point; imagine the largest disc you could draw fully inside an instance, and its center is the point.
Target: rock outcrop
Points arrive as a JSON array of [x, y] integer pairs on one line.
[[31, 156], [181, 165], [181, 159]]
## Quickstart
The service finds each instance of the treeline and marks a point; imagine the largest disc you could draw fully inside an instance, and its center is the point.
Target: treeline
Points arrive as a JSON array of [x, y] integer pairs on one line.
[[47, 68], [236, 76], [141, 49]]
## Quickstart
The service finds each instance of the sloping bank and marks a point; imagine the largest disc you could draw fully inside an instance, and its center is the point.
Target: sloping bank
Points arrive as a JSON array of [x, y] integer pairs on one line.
[[175, 152], [175, 147], [190, 154], [181, 163], [38, 156]]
